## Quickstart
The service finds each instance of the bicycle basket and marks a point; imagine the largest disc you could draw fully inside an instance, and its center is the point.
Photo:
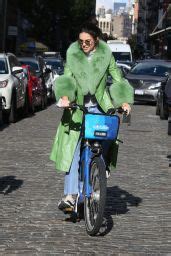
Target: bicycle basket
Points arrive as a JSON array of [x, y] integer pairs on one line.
[[101, 127]]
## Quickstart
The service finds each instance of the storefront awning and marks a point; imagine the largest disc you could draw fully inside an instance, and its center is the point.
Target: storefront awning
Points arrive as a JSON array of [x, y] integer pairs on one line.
[[166, 14], [160, 31]]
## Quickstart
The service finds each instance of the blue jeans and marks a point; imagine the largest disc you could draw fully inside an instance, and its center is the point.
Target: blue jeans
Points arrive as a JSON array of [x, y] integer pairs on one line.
[[71, 182]]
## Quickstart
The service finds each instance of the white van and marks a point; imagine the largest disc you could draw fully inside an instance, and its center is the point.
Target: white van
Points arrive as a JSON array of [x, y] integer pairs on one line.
[[121, 51]]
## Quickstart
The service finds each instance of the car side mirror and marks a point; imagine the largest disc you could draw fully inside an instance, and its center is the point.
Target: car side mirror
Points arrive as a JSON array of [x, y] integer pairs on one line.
[[17, 70], [167, 74]]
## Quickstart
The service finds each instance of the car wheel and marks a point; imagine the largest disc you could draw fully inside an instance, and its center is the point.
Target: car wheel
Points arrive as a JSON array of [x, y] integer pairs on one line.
[[169, 124], [169, 127], [13, 111], [43, 103], [157, 108], [26, 106], [53, 96], [46, 100], [163, 113], [5, 117], [31, 107]]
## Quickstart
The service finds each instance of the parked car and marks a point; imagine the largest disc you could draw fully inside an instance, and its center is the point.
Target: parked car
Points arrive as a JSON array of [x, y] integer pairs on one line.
[[34, 89], [52, 54], [146, 78], [121, 51], [163, 106], [51, 81], [124, 69], [41, 71], [167, 99], [56, 64], [1, 120], [13, 86], [54, 61]]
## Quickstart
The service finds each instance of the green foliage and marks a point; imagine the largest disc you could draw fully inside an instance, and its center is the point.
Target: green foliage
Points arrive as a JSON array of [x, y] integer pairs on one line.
[[132, 41], [80, 11], [55, 20]]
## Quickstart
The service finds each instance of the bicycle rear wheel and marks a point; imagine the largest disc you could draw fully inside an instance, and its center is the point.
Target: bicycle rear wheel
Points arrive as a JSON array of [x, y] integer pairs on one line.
[[95, 205]]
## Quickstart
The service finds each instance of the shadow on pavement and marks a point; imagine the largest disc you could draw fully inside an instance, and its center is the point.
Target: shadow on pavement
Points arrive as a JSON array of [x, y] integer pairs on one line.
[[169, 158], [145, 103], [3, 126], [117, 202], [8, 184]]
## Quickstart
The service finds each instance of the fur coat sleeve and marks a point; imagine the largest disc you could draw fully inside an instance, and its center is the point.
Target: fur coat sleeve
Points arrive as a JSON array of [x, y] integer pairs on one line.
[[65, 85]]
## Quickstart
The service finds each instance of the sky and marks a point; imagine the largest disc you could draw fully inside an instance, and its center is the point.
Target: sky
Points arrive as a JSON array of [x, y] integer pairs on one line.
[[108, 4]]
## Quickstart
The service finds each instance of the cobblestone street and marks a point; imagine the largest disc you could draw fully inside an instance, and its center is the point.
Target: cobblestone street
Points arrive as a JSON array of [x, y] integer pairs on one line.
[[138, 207]]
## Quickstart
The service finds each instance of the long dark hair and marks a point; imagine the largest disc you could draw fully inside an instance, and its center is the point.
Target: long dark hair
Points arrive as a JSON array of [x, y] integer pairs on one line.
[[91, 29]]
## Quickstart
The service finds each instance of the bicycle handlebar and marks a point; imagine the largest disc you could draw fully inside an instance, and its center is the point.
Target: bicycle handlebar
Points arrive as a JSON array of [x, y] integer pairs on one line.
[[77, 106], [85, 111]]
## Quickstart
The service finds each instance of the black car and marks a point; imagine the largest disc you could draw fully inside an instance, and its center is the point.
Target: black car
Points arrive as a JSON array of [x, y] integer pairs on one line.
[[163, 106], [56, 64], [146, 77]]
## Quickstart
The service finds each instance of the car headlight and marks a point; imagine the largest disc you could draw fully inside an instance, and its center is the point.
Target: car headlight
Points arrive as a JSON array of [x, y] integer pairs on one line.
[[3, 84], [155, 86]]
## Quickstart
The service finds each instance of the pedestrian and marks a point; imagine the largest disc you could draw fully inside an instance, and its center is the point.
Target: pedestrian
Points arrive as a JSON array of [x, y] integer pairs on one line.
[[88, 63]]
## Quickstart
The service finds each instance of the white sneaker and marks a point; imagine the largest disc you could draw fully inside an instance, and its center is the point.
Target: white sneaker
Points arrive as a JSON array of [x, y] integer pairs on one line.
[[66, 203], [107, 174]]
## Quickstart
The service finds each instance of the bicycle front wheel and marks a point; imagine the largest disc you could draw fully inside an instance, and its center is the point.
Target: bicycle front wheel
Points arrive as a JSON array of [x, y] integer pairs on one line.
[[95, 205]]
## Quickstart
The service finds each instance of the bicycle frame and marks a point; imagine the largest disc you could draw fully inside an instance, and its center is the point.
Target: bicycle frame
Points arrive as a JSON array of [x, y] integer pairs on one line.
[[86, 156], [92, 184]]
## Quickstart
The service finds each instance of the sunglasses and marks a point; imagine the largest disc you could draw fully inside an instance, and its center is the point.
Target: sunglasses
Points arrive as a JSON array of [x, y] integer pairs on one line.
[[87, 42]]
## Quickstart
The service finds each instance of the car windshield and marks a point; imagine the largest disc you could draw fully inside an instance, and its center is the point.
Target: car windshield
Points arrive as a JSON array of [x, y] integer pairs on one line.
[[33, 64], [122, 56], [3, 66], [54, 63], [150, 69]]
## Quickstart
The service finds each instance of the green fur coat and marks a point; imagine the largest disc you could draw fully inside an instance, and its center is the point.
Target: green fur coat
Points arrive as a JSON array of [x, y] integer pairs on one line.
[[81, 77]]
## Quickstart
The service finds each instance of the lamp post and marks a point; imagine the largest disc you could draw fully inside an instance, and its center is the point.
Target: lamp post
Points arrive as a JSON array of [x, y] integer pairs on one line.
[[168, 33], [98, 16], [4, 15]]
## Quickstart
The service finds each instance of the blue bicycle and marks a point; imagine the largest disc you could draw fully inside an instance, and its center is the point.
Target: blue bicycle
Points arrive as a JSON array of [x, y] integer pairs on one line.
[[92, 172]]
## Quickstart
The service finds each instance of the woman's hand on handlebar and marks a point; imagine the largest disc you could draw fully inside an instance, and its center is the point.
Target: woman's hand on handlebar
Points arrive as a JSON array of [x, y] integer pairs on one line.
[[127, 108], [63, 102]]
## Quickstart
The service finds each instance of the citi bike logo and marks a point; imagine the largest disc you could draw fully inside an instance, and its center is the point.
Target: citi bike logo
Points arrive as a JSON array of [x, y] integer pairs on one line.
[[101, 127]]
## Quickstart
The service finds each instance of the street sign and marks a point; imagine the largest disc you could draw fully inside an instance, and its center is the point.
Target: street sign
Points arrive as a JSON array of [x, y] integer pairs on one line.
[[12, 31]]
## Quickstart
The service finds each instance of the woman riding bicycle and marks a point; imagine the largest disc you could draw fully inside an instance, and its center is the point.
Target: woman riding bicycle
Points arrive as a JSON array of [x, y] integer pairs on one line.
[[89, 61]]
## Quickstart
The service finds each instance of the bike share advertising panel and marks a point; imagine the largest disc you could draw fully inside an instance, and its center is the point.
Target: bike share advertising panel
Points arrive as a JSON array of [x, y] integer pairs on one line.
[[101, 127]]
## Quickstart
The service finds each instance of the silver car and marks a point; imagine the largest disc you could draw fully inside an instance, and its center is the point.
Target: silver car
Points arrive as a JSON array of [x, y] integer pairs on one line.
[[13, 86], [146, 78]]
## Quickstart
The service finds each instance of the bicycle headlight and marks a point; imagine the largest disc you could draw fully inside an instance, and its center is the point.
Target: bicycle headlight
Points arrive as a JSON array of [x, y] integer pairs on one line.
[[3, 84], [155, 85]]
